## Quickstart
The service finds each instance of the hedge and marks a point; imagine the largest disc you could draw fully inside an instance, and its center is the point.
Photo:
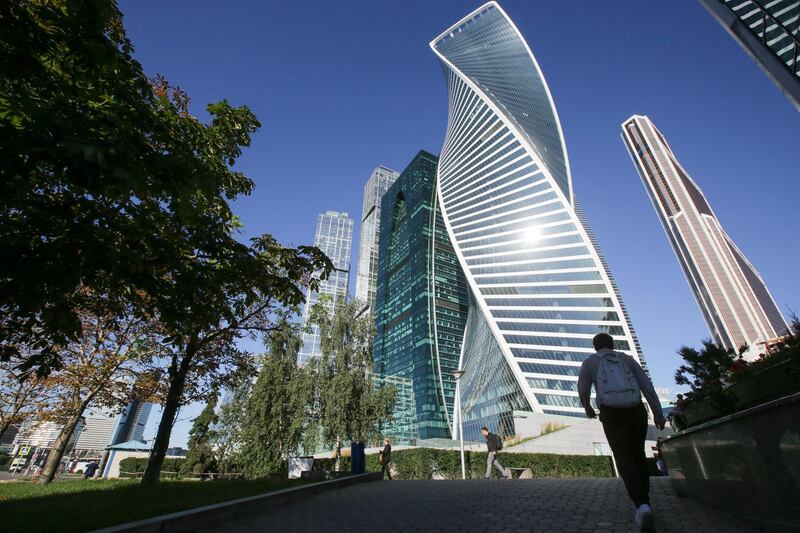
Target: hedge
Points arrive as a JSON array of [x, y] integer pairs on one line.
[[425, 463], [137, 465]]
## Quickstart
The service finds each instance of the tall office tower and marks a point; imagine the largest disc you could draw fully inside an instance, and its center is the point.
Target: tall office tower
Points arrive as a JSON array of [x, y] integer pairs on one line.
[[769, 31], [421, 306], [334, 237], [733, 298], [367, 274], [539, 287]]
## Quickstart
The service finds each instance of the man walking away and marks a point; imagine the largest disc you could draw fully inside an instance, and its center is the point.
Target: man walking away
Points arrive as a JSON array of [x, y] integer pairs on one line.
[[619, 383], [386, 458], [90, 469], [493, 444]]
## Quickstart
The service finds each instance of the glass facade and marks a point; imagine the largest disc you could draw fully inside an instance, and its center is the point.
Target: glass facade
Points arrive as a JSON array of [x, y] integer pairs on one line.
[[334, 236], [421, 306], [769, 31], [733, 298], [539, 287], [367, 273]]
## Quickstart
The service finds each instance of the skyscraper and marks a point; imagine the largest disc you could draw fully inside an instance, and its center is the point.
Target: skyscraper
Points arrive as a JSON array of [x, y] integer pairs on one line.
[[334, 236], [421, 305], [538, 286], [769, 32], [367, 273], [733, 298]]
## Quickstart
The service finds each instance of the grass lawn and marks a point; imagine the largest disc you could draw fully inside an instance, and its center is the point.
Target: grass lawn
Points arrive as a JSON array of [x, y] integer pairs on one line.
[[85, 505]]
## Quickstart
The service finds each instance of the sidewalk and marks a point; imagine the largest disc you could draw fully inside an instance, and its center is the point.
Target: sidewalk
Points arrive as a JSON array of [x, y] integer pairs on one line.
[[579, 505]]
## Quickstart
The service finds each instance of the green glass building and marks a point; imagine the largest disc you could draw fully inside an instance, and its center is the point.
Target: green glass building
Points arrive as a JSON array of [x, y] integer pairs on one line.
[[421, 307]]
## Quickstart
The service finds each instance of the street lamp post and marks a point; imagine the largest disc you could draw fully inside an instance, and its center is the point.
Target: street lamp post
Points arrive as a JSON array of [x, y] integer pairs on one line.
[[457, 374]]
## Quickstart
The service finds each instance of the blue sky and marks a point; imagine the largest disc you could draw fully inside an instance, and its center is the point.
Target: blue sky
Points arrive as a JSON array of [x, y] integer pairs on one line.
[[343, 86]]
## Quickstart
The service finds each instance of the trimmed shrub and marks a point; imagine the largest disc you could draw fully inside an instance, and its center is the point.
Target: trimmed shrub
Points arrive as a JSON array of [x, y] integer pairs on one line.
[[425, 463], [137, 465]]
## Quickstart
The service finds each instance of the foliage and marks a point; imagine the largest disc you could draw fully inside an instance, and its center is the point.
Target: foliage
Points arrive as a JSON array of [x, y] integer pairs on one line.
[[425, 463], [73, 506], [99, 369], [22, 394], [137, 465], [276, 409], [200, 455], [228, 433], [704, 370], [350, 406]]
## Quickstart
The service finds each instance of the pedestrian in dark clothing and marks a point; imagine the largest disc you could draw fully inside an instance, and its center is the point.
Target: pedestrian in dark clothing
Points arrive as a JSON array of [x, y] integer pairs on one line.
[[90, 469], [619, 383], [386, 458], [493, 444]]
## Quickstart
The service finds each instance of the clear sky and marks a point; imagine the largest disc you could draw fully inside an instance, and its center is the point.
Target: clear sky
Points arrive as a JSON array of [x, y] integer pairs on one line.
[[343, 86]]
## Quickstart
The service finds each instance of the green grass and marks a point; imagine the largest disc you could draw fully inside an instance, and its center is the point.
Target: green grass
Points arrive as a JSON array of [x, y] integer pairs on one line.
[[66, 506]]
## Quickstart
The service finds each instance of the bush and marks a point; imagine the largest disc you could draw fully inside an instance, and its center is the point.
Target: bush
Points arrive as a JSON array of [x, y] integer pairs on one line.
[[424, 463], [137, 465]]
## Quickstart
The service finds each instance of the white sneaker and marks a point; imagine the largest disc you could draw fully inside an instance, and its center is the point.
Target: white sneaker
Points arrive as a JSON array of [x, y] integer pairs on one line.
[[645, 520]]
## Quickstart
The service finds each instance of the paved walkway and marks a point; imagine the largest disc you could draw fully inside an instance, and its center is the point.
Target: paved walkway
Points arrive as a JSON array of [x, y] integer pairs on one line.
[[579, 505]]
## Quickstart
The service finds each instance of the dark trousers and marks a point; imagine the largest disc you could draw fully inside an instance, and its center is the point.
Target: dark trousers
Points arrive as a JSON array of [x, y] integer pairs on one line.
[[626, 430], [385, 470]]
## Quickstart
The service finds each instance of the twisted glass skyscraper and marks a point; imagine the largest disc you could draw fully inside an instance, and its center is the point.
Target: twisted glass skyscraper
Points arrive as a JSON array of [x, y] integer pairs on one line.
[[733, 298], [539, 289]]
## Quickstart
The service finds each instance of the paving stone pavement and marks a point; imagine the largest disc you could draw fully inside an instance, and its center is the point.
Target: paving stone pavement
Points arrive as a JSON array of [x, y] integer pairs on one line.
[[493, 505]]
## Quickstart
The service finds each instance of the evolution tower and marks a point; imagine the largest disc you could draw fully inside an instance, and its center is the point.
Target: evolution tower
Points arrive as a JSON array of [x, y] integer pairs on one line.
[[538, 286], [732, 296]]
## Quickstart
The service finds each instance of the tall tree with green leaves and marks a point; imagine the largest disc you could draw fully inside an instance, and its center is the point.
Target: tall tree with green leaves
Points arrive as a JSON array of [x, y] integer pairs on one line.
[[276, 409], [351, 407], [200, 455], [228, 435]]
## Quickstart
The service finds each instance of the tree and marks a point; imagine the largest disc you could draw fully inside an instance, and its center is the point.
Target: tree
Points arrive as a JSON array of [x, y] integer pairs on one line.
[[200, 455], [228, 436], [99, 369], [351, 407], [704, 370], [22, 394], [276, 410]]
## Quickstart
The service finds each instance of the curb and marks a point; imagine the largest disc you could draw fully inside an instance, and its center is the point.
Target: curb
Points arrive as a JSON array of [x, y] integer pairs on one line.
[[200, 517]]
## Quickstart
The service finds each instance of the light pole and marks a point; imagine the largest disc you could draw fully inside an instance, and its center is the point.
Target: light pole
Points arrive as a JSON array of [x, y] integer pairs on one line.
[[457, 374]]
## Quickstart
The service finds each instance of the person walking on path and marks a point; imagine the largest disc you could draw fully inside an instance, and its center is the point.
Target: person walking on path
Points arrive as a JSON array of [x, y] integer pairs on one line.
[[493, 444], [386, 458], [619, 383], [90, 470]]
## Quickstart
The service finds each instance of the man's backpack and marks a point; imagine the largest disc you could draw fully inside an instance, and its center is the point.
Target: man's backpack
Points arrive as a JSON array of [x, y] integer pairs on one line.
[[498, 442], [615, 384]]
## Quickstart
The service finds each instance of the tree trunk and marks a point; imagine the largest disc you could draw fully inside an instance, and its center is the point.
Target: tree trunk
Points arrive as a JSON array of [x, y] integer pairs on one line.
[[4, 425], [60, 444], [337, 468], [152, 473]]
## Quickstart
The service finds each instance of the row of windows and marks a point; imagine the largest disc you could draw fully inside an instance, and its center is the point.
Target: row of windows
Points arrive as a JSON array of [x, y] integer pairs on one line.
[[532, 340], [605, 316], [562, 264], [527, 244], [557, 400], [477, 246], [499, 161], [476, 152], [527, 179], [546, 289], [517, 191], [584, 275], [549, 302], [553, 384], [556, 370], [485, 184], [540, 208], [560, 328], [497, 231], [562, 251], [553, 355]]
